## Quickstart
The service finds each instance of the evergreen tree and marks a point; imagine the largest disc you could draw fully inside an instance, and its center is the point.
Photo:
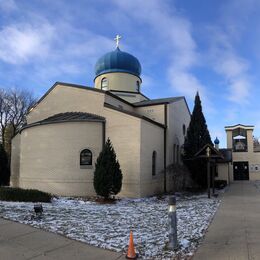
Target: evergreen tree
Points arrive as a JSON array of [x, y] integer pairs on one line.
[[197, 136], [107, 176], [4, 168]]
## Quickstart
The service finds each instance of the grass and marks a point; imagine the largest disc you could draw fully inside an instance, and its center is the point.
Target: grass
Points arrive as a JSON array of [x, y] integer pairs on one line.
[[24, 195]]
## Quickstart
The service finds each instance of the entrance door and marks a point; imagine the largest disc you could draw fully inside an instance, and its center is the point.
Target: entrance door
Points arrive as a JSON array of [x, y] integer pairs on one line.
[[241, 171]]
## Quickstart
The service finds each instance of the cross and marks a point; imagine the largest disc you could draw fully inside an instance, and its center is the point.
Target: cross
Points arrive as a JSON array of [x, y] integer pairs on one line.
[[118, 37]]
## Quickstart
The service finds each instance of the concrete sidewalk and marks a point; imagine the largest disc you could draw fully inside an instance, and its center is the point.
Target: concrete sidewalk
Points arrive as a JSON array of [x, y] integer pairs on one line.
[[19, 242], [235, 231]]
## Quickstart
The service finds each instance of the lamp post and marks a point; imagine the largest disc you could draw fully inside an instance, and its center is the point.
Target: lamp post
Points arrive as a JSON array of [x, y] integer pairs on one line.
[[208, 170], [213, 178], [173, 242]]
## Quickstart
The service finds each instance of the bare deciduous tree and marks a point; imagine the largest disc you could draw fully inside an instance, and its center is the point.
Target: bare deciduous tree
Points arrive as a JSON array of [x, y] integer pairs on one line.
[[14, 105], [4, 113], [256, 142]]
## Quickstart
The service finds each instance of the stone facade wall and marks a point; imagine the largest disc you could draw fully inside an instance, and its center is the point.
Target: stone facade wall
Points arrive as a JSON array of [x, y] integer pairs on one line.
[[225, 172], [119, 104], [152, 139], [155, 112], [50, 157], [124, 133], [15, 161], [178, 115], [67, 99], [119, 81]]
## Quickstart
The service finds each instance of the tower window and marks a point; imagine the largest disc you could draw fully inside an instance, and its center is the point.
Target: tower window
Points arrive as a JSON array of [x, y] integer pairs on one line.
[[239, 137], [137, 86], [154, 163], [86, 157], [104, 84]]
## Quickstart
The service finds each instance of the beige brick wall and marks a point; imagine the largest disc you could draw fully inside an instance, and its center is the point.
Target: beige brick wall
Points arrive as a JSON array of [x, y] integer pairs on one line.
[[124, 133], [117, 103], [225, 172], [152, 139], [155, 113], [67, 99], [119, 81], [131, 97], [178, 115], [50, 157], [229, 139], [15, 161]]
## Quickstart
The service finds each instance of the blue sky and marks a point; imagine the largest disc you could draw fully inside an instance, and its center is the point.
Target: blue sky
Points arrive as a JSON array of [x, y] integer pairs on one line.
[[183, 46]]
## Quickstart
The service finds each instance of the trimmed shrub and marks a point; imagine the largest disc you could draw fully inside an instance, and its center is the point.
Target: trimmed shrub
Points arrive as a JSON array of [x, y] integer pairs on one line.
[[23, 195], [107, 176]]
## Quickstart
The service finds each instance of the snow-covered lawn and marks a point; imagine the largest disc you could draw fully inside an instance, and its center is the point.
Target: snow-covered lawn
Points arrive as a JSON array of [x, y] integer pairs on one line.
[[108, 225]]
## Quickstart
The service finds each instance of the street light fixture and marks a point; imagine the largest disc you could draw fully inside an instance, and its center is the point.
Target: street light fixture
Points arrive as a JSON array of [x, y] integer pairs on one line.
[[38, 210]]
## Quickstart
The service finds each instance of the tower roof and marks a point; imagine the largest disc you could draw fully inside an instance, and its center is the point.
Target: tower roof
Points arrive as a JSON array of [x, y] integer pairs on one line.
[[118, 61]]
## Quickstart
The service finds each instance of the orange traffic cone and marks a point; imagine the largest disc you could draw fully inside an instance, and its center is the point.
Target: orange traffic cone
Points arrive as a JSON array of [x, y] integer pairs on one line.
[[131, 249]]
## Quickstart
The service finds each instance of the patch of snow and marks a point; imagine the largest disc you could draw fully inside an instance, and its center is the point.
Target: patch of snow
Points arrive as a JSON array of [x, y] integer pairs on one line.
[[184, 243], [108, 225]]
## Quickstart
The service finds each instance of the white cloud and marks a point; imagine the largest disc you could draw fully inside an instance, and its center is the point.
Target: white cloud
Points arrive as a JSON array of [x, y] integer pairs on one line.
[[172, 32], [185, 83], [225, 39], [239, 90], [21, 42], [52, 49], [232, 67]]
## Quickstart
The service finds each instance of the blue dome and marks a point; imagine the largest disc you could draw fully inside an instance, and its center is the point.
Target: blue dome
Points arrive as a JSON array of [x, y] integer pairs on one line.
[[118, 61], [216, 141]]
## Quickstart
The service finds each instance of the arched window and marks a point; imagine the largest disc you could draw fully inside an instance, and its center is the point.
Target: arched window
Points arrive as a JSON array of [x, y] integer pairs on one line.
[[104, 84], [154, 163], [137, 86], [86, 157]]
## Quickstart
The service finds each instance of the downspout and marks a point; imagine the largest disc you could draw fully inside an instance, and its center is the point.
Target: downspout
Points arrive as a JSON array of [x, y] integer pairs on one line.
[[164, 148]]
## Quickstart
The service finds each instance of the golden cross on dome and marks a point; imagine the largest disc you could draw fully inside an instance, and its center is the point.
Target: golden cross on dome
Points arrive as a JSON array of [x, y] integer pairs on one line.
[[118, 37]]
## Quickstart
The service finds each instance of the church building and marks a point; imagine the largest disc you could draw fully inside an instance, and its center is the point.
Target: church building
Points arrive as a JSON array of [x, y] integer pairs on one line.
[[66, 130]]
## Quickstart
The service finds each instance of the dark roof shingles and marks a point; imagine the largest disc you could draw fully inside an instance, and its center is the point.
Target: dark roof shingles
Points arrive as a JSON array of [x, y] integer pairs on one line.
[[157, 101], [73, 116]]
